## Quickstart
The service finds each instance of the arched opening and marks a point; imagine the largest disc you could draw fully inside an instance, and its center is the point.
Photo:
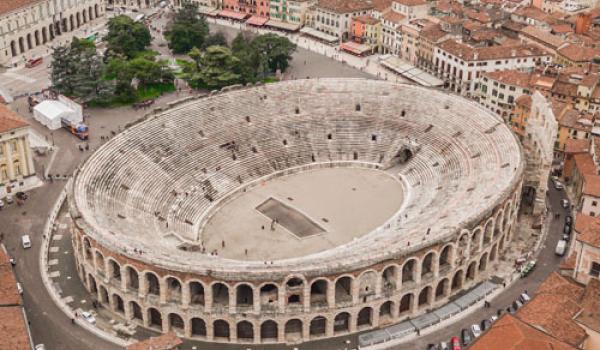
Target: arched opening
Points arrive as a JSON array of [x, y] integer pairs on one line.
[[100, 262], [318, 293], [457, 280], [441, 289], [493, 252], [425, 297], [445, 257], [367, 283], [90, 13], [268, 296], [118, 303], [471, 271], [152, 284], [268, 331], [244, 296], [92, 284], [44, 35], [245, 331], [365, 318], [389, 278], [95, 11], [385, 312], [475, 241], [29, 45], [173, 290], [103, 295], [498, 222], [295, 291], [133, 280], [72, 22], [500, 245], [114, 270], [220, 295], [78, 18], [84, 15], [198, 327], [176, 323], [483, 262], [136, 311], [155, 319], [341, 323], [13, 48], [406, 304], [221, 329], [487, 238], [293, 330], [343, 290], [36, 36], [408, 271], [318, 326], [427, 266], [21, 45], [196, 293]]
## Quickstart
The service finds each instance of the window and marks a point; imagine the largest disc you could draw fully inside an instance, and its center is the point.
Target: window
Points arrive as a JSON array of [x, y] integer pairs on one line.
[[594, 203], [595, 269]]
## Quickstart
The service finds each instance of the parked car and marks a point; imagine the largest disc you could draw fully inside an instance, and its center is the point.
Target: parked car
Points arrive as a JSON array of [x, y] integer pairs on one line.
[[455, 343], [524, 297], [19, 288], [494, 318], [34, 62], [517, 304], [567, 229], [561, 247], [40, 347], [88, 317], [21, 195], [476, 330], [486, 324], [26, 241], [558, 185], [443, 346], [568, 219], [511, 309], [466, 336], [564, 203]]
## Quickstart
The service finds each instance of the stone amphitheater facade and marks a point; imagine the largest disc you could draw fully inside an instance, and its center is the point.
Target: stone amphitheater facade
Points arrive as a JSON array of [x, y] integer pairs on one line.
[[138, 203]]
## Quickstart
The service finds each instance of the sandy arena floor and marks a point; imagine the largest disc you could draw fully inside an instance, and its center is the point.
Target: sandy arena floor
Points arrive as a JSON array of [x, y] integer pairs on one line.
[[346, 203]]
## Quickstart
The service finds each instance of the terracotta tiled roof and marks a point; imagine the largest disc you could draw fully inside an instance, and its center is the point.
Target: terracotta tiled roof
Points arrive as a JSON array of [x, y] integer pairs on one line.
[[345, 6], [10, 120], [8, 287], [510, 77], [381, 5], [523, 100], [11, 5], [432, 33], [366, 19], [591, 185], [562, 28], [582, 221], [510, 333], [585, 164], [549, 40], [590, 233], [532, 12], [569, 263], [451, 20], [552, 309], [13, 330], [578, 53], [573, 146], [166, 341], [394, 17], [481, 17], [411, 2], [590, 315], [565, 88], [469, 53]]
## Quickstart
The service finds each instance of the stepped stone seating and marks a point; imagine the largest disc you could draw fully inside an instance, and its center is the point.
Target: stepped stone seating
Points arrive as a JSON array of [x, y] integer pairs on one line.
[[153, 186]]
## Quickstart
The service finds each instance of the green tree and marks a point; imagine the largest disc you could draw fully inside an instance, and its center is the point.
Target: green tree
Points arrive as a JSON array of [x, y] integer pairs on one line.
[[274, 51], [126, 37], [248, 56], [214, 68], [217, 39], [188, 29]]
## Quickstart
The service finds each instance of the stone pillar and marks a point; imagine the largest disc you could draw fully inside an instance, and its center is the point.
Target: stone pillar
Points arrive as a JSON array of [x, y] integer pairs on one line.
[[165, 322], [281, 299], [187, 327], [145, 319], [232, 301], [378, 284], [208, 301], [185, 296], [128, 310], [306, 330], [306, 297], [375, 318], [281, 332], [329, 327], [23, 161], [163, 290], [210, 333], [9, 161], [354, 287], [256, 300], [257, 337], [353, 319], [232, 332], [331, 294], [29, 157], [124, 279], [395, 311]]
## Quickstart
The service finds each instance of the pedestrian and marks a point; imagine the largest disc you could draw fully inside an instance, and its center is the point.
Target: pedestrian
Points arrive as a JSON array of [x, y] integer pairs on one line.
[[246, 252], [72, 321], [223, 244]]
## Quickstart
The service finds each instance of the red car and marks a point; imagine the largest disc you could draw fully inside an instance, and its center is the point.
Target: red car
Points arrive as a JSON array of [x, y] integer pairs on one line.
[[455, 343]]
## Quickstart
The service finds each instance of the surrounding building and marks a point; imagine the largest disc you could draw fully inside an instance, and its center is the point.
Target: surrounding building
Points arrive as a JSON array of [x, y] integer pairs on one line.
[[27, 24], [17, 171], [334, 17], [167, 341], [586, 248], [13, 320], [290, 11]]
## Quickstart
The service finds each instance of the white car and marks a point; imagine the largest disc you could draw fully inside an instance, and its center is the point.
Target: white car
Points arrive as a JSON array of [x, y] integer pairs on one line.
[[40, 347], [19, 288], [494, 318], [564, 203], [26, 241], [476, 330], [88, 317], [558, 185]]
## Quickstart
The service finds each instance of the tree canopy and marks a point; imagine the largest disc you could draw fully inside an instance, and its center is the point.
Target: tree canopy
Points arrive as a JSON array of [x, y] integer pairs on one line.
[[188, 29], [126, 37]]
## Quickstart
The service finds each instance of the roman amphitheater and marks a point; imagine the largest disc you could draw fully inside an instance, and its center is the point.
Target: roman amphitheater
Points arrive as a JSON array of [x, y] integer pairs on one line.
[[296, 211]]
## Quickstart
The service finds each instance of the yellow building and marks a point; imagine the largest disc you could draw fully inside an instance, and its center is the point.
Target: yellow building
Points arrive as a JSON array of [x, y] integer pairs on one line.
[[17, 172], [520, 115]]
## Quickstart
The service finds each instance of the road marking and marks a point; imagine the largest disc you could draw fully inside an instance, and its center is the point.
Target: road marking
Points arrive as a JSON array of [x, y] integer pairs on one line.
[[68, 299], [54, 274], [53, 262], [57, 237], [62, 226], [19, 77], [54, 249]]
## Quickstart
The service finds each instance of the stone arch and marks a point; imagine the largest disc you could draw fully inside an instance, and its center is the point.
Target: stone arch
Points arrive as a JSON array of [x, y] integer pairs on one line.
[[501, 244], [197, 293], [44, 35], [176, 323], [198, 327], [36, 37], [318, 327], [365, 317], [132, 278], [386, 312], [389, 278], [425, 296], [457, 280], [341, 323], [269, 296], [476, 240], [245, 331], [114, 269], [244, 295], [318, 292], [136, 311], [174, 288], [343, 290], [78, 19], [118, 304], [154, 318], [295, 290], [441, 291], [269, 330], [446, 256], [293, 329], [406, 304], [483, 262], [87, 249], [13, 48], [488, 231], [493, 252], [84, 15], [221, 329], [100, 262], [93, 287], [497, 224], [409, 270], [367, 282], [29, 44], [21, 45], [463, 240], [471, 271], [152, 283], [104, 295], [427, 265], [220, 294]]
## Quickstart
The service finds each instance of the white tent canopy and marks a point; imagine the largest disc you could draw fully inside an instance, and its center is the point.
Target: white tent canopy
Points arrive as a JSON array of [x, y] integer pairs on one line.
[[50, 113]]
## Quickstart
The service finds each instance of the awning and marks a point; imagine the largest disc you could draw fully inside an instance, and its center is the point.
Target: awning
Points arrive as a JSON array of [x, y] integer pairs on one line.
[[232, 14], [257, 21], [292, 27], [319, 35], [355, 48], [208, 11], [409, 71]]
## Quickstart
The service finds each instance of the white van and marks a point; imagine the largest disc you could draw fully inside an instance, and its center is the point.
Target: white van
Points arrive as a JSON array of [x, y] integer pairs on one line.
[[26, 241], [561, 247]]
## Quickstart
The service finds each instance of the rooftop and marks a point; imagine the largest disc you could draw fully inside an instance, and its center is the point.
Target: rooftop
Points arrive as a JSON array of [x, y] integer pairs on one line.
[[166, 341], [11, 5], [469, 53], [10, 120], [345, 6], [578, 53], [550, 40], [591, 185], [511, 77], [13, 330]]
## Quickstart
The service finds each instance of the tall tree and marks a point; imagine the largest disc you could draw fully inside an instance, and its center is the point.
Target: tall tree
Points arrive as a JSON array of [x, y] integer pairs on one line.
[[188, 29], [216, 67], [126, 37], [275, 51]]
